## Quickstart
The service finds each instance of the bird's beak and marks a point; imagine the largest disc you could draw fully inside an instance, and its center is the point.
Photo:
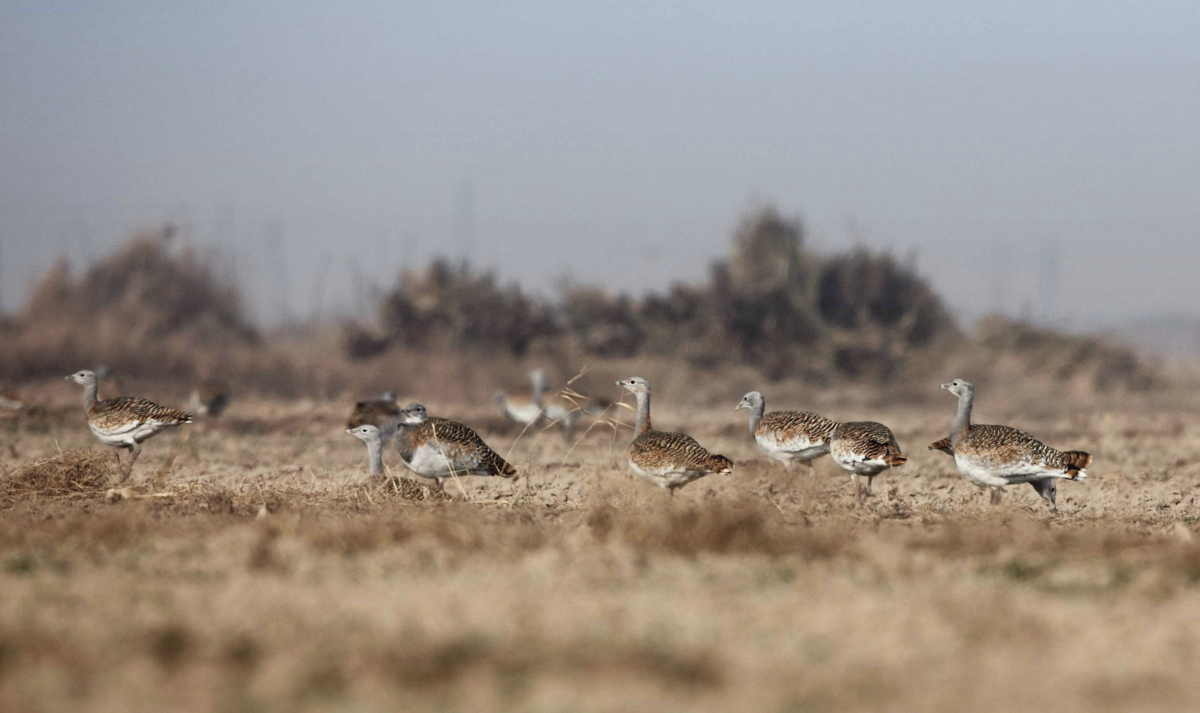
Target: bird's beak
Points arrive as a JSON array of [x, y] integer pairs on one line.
[[68, 378], [350, 430], [739, 407], [619, 383], [946, 386]]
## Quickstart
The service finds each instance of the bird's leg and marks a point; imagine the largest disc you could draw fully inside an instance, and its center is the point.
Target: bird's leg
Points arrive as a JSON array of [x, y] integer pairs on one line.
[[812, 469], [858, 493], [134, 452], [870, 481], [995, 496]]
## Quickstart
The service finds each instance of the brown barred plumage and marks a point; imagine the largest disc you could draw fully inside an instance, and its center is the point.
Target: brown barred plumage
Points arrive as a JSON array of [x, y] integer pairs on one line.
[[437, 448], [1046, 489], [124, 411], [787, 425], [124, 422], [670, 460], [674, 459], [868, 441], [1004, 447], [865, 448], [787, 436], [997, 456], [457, 439]]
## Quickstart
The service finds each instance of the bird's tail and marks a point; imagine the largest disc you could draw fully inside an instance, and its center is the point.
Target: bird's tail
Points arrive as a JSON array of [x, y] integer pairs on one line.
[[942, 445], [720, 464], [1077, 463], [894, 457], [501, 467]]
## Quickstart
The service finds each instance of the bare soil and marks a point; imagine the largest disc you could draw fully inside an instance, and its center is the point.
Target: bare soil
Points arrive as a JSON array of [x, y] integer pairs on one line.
[[249, 565]]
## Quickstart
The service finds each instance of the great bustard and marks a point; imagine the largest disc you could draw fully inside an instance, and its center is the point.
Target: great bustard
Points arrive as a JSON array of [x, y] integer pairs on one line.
[[525, 409], [382, 413], [787, 436], [864, 448], [996, 456], [1046, 489], [439, 448], [371, 436], [540, 403], [669, 460], [12, 402], [125, 421], [210, 398]]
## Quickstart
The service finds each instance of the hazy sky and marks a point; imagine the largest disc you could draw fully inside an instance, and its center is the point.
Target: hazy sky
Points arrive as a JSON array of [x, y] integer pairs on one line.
[[1031, 155]]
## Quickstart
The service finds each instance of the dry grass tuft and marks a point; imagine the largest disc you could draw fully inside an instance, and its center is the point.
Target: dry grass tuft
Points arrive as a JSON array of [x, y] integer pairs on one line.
[[75, 472]]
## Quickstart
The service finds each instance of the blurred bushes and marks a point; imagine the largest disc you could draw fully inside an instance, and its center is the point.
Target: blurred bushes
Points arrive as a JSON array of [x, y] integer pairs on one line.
[[143, 308], [451, 307], [772, 304], [154, 310], [1098, 362]]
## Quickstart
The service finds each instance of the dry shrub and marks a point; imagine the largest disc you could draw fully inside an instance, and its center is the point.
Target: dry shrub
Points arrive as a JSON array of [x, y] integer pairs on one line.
[[75, 472], [143, 309], [772, 304], [1094, 360], [450, 306]]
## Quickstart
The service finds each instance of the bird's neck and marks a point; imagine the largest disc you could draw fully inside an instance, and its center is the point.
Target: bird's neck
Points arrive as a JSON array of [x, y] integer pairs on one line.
[[643, 414], [375, 454], [963, 420], [89, 395], [756, 414]]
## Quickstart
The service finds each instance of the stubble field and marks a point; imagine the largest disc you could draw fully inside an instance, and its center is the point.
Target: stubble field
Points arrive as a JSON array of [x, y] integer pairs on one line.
[[252, 567]]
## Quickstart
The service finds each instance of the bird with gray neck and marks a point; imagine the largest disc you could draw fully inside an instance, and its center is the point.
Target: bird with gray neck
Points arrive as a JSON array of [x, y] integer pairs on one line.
[[669, 460], [439, 448], [787, 436], [382, 413], [525, 409], [373, 438], [1046, 489], [124, 422], [997, 456]]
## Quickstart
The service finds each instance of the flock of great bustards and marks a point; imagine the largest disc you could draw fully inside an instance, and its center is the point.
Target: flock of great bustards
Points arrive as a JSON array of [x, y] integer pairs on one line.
[[439, 448]]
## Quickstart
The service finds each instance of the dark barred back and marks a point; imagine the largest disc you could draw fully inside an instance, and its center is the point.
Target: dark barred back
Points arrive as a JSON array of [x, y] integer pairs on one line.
[[1007, 445], [792, 424], [871, 440], [655, 450], [113, 413], [459, 440]]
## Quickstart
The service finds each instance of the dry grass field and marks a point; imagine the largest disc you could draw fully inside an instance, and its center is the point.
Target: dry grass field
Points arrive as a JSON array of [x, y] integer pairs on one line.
[[251, 567]]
